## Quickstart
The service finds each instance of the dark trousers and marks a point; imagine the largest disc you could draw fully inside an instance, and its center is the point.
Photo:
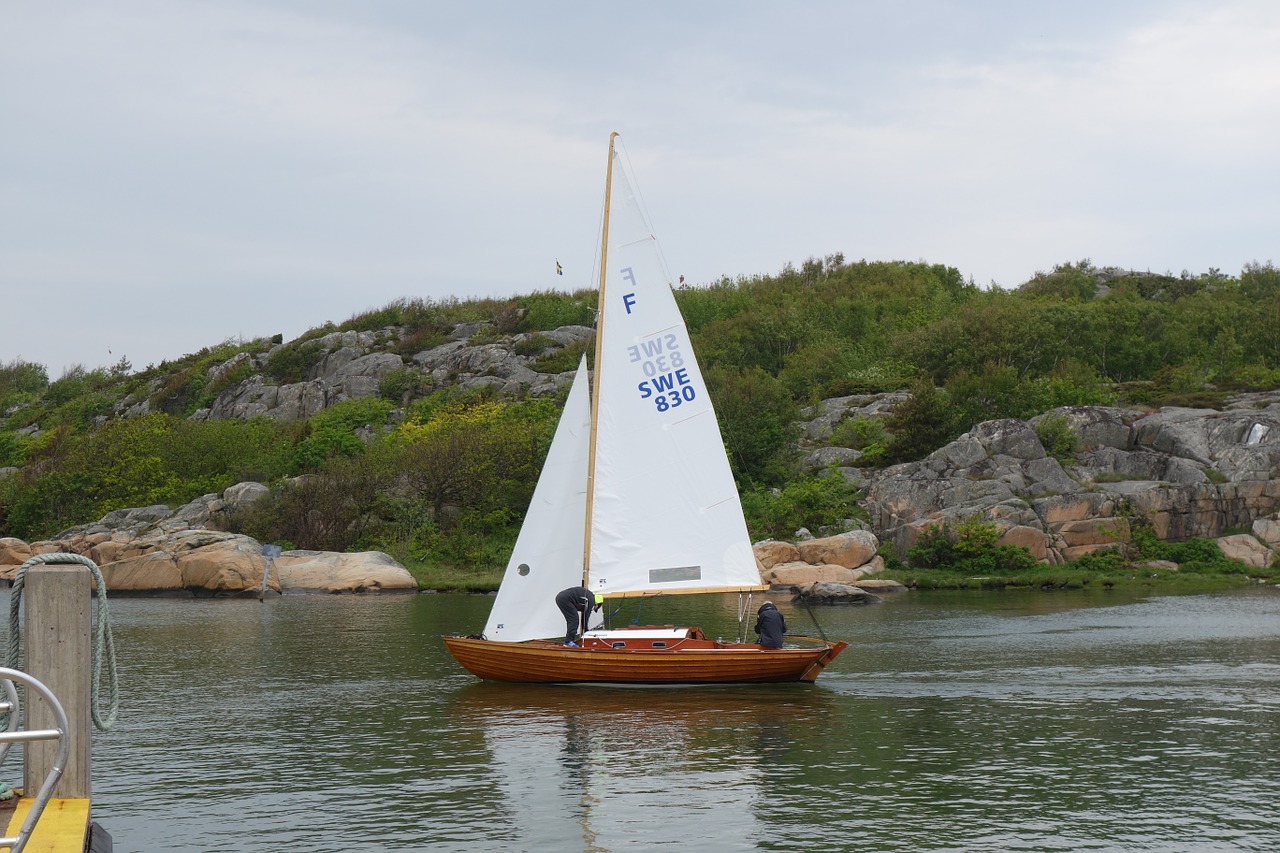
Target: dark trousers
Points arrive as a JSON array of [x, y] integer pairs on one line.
[[567, 602]]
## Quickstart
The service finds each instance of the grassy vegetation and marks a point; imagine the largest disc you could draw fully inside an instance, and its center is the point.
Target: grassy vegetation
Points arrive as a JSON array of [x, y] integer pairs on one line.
[[454, 579], [1069, 576]]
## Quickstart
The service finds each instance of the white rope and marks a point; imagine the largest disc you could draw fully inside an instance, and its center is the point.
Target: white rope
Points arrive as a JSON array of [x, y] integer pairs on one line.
[[104, 648], [744, 607]]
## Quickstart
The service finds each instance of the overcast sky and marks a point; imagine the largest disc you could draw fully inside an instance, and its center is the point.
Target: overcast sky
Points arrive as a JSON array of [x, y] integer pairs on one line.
[[177, 173]]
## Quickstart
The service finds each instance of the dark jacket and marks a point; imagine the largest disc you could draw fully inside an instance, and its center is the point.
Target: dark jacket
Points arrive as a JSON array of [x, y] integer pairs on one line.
[[578, 597], [770, 626]]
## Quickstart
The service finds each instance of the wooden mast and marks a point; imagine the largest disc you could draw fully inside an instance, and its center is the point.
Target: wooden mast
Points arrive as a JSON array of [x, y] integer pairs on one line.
[[595, 378]]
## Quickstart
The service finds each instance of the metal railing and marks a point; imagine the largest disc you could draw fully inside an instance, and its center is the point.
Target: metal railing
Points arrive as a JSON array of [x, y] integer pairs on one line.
[[12, 734]]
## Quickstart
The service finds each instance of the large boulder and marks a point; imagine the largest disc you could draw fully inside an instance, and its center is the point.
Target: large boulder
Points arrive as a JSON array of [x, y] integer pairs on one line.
[[14, 552], [333, 572], [1245, 549], [833, 593], [842, 559], [850, 550], [232, 565], [795, 575], [772, 552], [154, 571]]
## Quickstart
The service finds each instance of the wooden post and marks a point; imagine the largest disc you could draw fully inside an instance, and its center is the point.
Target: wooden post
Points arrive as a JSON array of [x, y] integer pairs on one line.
[[58, 639]]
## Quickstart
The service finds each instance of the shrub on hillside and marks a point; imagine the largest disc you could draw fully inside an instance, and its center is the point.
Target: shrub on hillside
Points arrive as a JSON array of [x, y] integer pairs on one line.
[[970, 547], [20, 382], [1059, 439], [545, 311], [919, 424], [810, 502], [329, 510], [334, 431], [293, 363]]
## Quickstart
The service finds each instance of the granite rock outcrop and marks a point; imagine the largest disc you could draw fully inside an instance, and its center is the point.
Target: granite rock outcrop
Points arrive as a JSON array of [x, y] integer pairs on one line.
[[157, 550]]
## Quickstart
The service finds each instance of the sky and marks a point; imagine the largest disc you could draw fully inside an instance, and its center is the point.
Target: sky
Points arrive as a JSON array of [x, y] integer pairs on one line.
[[179, 173]]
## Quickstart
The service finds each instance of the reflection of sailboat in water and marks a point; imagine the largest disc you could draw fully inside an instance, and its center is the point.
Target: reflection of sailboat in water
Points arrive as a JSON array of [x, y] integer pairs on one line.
[[636, 498], [607, 772]]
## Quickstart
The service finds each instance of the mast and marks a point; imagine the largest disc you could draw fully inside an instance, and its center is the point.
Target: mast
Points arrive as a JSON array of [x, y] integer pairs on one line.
[[595, 379]]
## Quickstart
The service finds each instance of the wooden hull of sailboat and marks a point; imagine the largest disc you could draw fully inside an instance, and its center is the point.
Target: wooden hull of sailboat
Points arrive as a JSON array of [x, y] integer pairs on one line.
[[687, 661]]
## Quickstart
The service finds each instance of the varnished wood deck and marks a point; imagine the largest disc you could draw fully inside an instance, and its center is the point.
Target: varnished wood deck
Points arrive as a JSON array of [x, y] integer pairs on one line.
[[63, 827]]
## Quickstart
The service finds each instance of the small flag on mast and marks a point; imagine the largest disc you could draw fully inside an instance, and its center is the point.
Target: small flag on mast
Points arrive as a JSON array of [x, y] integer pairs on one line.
[[559, 269]]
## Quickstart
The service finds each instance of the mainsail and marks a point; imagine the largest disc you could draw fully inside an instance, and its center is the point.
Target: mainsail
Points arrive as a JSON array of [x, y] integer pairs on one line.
[[665, 512]]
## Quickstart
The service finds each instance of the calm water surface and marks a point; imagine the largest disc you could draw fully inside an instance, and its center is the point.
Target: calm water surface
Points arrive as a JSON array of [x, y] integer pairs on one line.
[[956, 721]]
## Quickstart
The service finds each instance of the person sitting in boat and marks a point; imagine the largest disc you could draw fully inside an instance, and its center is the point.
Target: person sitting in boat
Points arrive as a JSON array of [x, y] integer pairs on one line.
[[770, 626], [576, 603]]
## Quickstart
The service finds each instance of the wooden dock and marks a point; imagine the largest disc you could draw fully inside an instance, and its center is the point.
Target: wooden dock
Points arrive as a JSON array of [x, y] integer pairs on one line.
[[63, 828]]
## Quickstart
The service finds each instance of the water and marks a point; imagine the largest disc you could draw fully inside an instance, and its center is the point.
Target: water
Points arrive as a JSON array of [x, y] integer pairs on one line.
[[956, 721]]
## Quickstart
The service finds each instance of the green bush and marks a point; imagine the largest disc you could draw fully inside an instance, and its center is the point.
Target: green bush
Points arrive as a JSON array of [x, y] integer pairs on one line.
[[422, 339], [333, 431], [21, 382], [566, 358], [1059, 439], [920, 424], [1194, 550], [293, 363], [970, 548], [810, 502], [1109, 561], [758, 420], [860, 433], [544, 312], [1213, 567], [13, 450], [400, 385], [329, 510], [532, 345]]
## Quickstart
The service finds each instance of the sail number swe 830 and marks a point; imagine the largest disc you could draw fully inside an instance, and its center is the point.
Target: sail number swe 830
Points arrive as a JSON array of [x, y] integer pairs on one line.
[[668, 383]]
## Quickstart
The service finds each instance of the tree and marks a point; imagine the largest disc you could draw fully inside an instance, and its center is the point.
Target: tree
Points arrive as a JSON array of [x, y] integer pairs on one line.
[[473, 457], [919, 424], [757, 421]]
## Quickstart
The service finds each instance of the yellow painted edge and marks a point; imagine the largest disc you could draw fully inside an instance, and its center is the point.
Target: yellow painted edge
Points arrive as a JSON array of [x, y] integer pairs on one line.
[[63, 827]]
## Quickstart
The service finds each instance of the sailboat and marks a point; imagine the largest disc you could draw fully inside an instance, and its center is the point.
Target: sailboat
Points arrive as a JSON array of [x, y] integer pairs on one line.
[[635, 498]]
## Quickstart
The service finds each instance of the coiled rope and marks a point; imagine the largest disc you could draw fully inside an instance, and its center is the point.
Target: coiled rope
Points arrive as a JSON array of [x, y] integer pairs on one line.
[[104, 649]]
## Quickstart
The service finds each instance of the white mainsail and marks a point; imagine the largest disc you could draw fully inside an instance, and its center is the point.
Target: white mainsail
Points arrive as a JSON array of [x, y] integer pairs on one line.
[[548, 553], [666, 516]]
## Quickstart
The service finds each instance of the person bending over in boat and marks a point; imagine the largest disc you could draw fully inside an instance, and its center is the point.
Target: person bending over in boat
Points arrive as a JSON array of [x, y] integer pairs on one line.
[[770, 626], [576, 603]]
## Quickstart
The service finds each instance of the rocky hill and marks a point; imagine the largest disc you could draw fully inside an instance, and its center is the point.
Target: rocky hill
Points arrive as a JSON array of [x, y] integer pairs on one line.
[[1190, 472], [1209, 471]]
